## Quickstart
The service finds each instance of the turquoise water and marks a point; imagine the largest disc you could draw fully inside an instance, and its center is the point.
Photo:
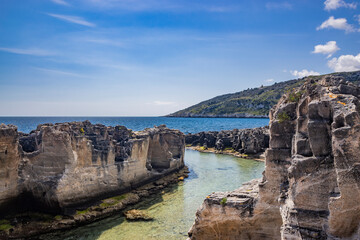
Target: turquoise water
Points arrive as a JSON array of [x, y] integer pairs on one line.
[[174, 210], [186, 125]]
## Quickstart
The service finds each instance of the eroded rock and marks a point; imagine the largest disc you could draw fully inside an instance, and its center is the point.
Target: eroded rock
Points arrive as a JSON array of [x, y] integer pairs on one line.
[[61, 166], [310, 186], [248, 141]]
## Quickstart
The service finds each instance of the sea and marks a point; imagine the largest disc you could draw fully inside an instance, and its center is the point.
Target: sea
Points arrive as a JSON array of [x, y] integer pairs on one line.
[[186, 125]]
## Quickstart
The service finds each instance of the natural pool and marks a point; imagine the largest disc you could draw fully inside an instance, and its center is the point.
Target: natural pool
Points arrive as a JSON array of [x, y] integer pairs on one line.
[[174, 209]]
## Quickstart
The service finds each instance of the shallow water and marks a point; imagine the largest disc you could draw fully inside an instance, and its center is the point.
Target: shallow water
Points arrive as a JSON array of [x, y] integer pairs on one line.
[[186, 125], [174, 210]]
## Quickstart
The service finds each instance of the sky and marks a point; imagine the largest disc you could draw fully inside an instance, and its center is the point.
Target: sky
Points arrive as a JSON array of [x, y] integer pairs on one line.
[[154, 57]]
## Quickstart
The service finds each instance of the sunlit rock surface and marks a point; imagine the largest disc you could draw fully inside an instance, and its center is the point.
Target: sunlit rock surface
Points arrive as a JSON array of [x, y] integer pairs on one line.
[[310, 186], [68, 164], [248, 141]]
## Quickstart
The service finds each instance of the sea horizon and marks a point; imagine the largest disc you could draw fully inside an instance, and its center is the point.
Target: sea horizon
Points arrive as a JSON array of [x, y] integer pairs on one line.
[[186, 125]]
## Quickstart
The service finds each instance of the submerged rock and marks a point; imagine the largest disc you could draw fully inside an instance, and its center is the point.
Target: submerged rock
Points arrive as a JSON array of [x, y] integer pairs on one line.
[[310, 186], [137, 215]]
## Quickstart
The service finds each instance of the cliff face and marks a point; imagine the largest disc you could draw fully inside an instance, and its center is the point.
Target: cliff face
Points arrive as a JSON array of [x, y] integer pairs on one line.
[[65, 165], [249, 141], [310, 186], [9, 165]]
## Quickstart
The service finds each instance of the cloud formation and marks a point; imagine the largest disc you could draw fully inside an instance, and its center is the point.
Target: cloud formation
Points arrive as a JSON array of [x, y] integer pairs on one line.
[[30, 51], [357, 17], [162, 103], [61, 2], [328, 49], [345, 63], [72, 19], [163, 5], [269, 80], [304, 73], [59, 72], [335, 4], [336, 23]]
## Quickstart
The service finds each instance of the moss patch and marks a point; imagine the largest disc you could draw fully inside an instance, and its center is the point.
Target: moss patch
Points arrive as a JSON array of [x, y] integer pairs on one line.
[[80, 212], [112, 201], [120, 197], [5, 225]]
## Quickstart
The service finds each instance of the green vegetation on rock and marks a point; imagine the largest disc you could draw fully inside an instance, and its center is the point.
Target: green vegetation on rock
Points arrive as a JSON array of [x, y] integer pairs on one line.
[[112, 201], [223, 201], [282, 117], [5, 225], [80, 212], [253, 102]]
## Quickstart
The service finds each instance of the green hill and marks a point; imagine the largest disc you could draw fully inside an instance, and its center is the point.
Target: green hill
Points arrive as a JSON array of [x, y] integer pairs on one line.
[[255, 102]]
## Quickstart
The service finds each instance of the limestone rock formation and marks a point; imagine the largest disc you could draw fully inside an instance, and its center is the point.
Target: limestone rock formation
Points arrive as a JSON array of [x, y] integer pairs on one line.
[[311, 184], [249, 141], [61, 166]]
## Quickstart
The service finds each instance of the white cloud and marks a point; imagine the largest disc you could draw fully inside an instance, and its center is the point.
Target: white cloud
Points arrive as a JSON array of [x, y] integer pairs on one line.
[[345, 63], [339, 23], [304, 73], [357, 17], [278, 5], [334, 4], [59, 72], [104, 41], [61, 2], [162, 103], [72, 19], [164, 5], [329, 48], [269, 80], [30, 51]]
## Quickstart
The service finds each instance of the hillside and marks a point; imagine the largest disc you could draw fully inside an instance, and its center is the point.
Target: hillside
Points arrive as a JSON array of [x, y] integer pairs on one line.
[[255, 102]]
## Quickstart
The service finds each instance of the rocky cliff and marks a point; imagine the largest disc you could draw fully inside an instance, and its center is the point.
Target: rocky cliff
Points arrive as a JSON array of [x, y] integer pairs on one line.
[[310, 186], [248, 141], [57, 167]]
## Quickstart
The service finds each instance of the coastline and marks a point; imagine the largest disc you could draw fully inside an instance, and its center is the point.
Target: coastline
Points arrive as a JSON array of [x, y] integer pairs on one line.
[[218, 116], [255, 157], [32, 224]]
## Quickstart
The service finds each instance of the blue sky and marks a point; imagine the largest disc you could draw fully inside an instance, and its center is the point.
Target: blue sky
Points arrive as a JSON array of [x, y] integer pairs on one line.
[[153, 57]]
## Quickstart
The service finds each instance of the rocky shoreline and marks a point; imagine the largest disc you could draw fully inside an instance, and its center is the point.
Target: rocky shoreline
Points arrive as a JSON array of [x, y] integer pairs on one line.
[[32, 224], [67, 174], [232, 115], [257, 157], [244, 143], [310, 186]]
